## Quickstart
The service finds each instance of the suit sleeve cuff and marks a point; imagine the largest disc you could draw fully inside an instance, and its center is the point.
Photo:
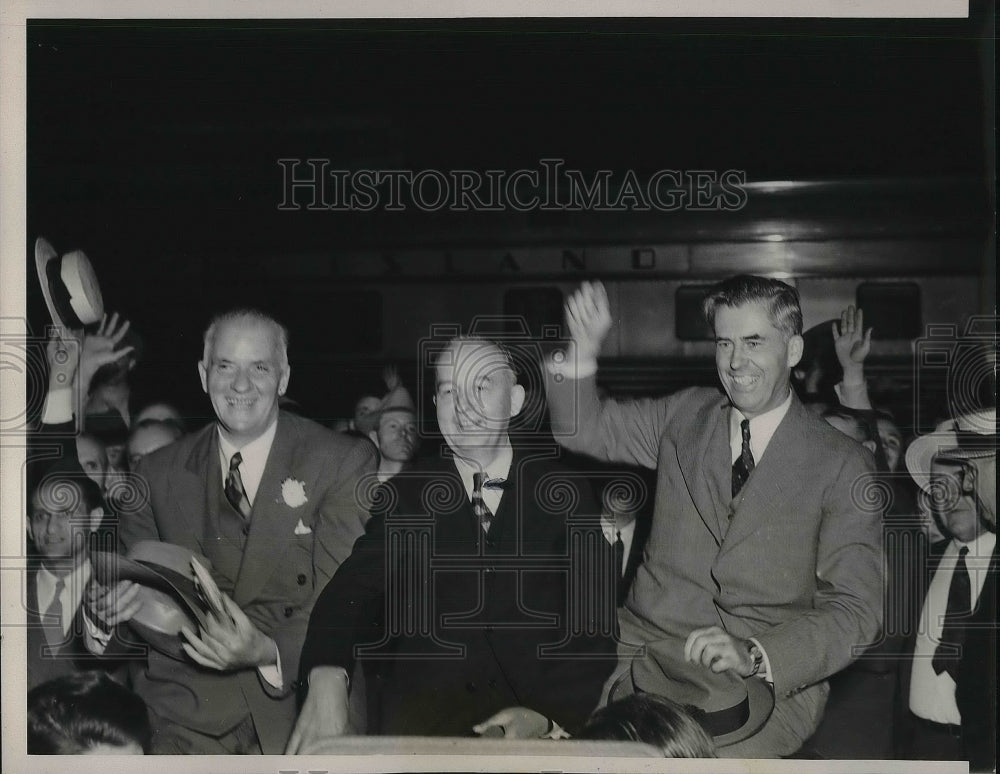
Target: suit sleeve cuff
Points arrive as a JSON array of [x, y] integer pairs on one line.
[[271, 674], [765, 667], [58, 406], [561, 365]]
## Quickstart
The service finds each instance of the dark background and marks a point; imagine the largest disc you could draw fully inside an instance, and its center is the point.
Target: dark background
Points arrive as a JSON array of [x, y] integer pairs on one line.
[[154, 145]]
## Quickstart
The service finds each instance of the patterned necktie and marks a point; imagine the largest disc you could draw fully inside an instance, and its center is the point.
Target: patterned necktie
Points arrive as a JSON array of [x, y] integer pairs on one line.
[[54, 634], [744, 464], [235, 492], [478, 505], [947, 655]]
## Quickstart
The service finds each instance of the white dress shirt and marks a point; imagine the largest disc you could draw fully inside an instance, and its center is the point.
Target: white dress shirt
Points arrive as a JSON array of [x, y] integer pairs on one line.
[[613, 529], [254, 456], [932, 696], [762, 429], [499, 468], [254, 459], [72, 593]]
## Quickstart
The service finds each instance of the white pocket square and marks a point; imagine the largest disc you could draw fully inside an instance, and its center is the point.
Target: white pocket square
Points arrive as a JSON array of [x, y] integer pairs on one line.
[[302, 529]]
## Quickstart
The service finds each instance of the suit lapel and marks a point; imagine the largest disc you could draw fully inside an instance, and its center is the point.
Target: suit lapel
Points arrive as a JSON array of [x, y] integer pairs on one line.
[[273, 522], [704, 460], [773, 479], [202, 489]]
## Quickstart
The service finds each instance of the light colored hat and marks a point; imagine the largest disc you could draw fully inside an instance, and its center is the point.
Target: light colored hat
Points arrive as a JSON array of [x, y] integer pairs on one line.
[[397, 399], [69, 285], [170, 598], [972, 434]]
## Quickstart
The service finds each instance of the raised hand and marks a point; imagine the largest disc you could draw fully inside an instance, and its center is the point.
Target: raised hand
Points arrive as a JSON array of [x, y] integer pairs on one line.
[[391, 377], [99, 349], [588, 317], [852, 343]]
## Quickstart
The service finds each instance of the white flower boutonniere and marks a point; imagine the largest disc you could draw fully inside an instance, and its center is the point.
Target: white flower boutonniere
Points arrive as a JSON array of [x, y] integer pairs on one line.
[[293, 492]]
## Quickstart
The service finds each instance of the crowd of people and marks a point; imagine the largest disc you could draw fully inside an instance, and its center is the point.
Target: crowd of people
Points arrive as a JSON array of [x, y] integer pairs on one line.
[[477, 585]]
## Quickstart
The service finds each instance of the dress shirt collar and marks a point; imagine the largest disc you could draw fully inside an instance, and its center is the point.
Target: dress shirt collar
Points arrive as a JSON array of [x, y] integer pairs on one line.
[[762, 428], [75, 582], [254, 458], [498, 468], [981, 548]]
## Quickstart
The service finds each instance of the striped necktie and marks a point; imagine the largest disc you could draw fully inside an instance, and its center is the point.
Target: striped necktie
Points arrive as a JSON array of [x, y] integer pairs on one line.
[[235, 492], [744, 464], [478, 505]]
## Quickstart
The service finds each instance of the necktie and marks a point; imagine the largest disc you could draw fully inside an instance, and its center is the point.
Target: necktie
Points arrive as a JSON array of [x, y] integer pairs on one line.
[[478, 506], [619, 554], [54, 617], [744, 464], [235, 492], [959, 607]]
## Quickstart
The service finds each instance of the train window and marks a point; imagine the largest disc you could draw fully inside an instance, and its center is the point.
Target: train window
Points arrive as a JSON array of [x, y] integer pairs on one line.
[[540, 308], [891, 308], [689, 322]]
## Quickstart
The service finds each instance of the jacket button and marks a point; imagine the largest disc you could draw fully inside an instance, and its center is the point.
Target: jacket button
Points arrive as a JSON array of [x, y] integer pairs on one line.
[[491, 543], [489, 570], [289, 612], [493, 683], [470, 687], [301, 580], [488, 629]]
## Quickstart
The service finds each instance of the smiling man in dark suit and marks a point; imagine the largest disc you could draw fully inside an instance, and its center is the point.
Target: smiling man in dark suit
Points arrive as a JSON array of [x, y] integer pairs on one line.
[[760, 558], [270, 499], [473, 621]]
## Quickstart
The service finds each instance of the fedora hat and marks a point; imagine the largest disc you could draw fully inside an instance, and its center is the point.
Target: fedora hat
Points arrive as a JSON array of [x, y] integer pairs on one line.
[[397, 399], [969, 435], [69, 285], [730, 708], [170, 598]]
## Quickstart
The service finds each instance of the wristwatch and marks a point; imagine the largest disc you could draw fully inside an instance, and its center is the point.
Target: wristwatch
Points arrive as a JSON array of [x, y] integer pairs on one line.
[[756, 655]]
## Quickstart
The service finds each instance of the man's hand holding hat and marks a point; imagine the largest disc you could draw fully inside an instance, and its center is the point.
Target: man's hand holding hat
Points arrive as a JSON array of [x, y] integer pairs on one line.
[[229, 641], [716, 649]]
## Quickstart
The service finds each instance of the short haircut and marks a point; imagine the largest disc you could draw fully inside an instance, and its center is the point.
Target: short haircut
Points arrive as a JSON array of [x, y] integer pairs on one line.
[[169, 425], [247, 315], [75, 713], [69, 473], [781, 299], [653, 719], [506, 353]]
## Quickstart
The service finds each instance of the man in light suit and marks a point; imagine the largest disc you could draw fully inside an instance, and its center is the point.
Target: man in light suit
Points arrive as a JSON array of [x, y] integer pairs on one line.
[[759, 558], [269, 498]]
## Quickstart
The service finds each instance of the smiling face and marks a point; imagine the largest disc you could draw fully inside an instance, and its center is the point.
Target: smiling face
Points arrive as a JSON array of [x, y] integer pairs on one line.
[[244, 373], [59, 520], [476, 396], [754, 359], [954, 502]]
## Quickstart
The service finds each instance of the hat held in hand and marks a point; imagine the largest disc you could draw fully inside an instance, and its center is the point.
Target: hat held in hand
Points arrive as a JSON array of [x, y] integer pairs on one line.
[[69, 285], [730, 708], [169, 594]]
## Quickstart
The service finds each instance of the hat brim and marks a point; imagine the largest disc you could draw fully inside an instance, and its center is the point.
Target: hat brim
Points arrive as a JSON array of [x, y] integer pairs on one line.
[[920, 454], [45, 252], [170, 601], [761, 699]]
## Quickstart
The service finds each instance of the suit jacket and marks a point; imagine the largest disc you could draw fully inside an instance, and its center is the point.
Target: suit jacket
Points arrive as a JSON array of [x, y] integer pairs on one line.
[[793, 561], [462, 624], [976, 688], [274, 571]]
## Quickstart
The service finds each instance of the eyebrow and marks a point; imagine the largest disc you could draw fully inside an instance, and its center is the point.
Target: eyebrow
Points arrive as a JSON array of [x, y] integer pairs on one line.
[[751, 337]]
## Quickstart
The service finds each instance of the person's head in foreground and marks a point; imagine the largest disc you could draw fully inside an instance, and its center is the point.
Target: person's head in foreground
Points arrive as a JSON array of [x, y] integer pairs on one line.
[[148, 436], [476, 396], [758, 340], [654, 720], [86, 714]]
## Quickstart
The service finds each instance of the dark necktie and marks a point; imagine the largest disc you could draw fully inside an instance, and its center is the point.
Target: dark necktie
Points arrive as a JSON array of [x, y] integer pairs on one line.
[[54, 617], [947, 655], [478, 505], [235, 492], [744, 464], [619, 554]]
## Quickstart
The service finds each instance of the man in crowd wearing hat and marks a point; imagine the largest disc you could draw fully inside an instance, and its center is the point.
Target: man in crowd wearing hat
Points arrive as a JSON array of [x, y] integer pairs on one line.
[[760, 565], [395, 432], [270, 499], [506, 650], [949, 686]]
